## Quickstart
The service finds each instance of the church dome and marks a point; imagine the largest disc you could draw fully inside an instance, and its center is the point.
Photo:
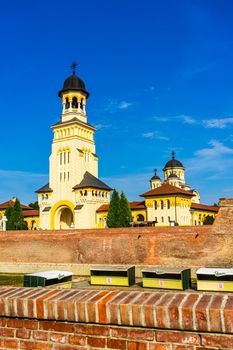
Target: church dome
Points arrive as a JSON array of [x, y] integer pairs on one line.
[[155, 176], [73, 83], [173, 163]]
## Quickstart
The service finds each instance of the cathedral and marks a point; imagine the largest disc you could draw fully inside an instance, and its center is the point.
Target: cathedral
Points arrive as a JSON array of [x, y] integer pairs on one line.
[[74, 192], [76, 198]]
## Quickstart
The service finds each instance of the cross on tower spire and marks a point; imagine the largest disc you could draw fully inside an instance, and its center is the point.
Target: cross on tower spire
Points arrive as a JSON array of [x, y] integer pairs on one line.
[[73, 67], [173, 155], [155, 170]]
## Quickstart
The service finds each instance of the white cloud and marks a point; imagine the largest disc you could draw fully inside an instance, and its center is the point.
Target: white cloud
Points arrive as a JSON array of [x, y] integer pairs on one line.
[[155, 135], [148, 135], [187, 119], [217, 149], [217, 123], [124, 105], [102, 126]]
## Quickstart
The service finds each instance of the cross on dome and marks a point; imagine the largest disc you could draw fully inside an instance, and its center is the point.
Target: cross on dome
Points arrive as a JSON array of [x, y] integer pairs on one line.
[[73, 67]]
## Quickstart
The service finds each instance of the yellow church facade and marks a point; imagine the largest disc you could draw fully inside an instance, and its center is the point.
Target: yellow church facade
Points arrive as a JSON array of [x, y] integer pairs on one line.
[[74, 192], [167, 203], [76, 198]]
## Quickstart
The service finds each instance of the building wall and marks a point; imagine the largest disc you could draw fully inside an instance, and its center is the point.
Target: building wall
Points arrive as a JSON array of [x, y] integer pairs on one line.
[[178, 211], [45, 319]]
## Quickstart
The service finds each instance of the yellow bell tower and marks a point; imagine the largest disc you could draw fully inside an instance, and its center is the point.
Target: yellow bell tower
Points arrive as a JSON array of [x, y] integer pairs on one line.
[[74, 192]]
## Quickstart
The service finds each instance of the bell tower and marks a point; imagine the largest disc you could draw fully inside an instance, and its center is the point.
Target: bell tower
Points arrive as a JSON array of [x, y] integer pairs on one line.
[[74, 97], [74, 192]]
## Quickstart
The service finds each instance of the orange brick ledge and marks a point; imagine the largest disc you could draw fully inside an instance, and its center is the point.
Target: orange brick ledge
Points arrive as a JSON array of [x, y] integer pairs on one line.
[[205, 312]]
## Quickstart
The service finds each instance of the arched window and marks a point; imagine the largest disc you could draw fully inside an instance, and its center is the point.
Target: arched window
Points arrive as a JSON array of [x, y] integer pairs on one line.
[[161, 204], [162, 219], [85, 193], [140, 217], [155, 204], [168, 219], [74, 102], [81, 103], [168, 204], [67, 104]]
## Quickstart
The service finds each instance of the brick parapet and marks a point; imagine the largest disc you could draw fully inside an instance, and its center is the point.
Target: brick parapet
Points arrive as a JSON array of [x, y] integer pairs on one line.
[[189, 311], [80, 319]]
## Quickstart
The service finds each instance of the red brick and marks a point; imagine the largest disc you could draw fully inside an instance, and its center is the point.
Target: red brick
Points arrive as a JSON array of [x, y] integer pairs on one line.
[[23, 333], [96, 342], [173, 311], [161, 310], [56, 326], [14, 323], [30, 324], [91, 305], [187, 311], [148, 309], [58, 338], [136, 346], [217, 341], [10, 344], [81, 305], [119, 332], [183, 347], [178, 337], [39, 335], [201, 312], [116, 344], [102, 313], [40, 303], [137, 307], [140, 334], [27, 345], [2, 322], [228, 315], [215, 315], [7, 332], [91, 330], [159, 347], [113, 307], [77, 340], [124, 307]]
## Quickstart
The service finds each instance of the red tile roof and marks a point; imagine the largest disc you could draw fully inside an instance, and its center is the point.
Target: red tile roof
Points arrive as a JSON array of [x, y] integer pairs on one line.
[[133, 206], [167, 189], [32, 212], [10, 203], [204, 207]]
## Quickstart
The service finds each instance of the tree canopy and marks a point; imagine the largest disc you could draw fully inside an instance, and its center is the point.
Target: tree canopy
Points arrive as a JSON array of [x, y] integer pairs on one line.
[[209, 220], [15, 219], [34, 205], [119, 213]]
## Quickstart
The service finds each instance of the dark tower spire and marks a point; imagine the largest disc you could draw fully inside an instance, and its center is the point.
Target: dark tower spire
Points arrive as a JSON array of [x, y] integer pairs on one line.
[[73, 67]]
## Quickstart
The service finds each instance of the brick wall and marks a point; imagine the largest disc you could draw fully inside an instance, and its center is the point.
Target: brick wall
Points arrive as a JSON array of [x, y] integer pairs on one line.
[[165, 246], [76, 319]]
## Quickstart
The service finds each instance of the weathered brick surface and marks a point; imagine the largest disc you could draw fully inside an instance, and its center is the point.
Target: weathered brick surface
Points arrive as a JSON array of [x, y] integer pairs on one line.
[[146, 320]]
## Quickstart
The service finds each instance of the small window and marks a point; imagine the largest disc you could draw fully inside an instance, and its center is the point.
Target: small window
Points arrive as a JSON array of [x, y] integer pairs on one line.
[[161, 204], [168, 204], [155, 204], [85, 193], [168, 219], [162, 219], [60, 158]]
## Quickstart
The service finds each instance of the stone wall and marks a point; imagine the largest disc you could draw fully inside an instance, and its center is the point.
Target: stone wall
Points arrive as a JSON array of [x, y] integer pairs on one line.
[[45, 319]]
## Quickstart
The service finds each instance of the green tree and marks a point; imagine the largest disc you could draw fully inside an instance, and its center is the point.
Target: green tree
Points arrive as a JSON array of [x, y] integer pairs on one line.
[[125, 211], [34, 205], [113, 218], [209, 220], [15, 217]]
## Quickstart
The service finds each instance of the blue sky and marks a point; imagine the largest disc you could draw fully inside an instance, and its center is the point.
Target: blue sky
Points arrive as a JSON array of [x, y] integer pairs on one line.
[[160, 77]]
